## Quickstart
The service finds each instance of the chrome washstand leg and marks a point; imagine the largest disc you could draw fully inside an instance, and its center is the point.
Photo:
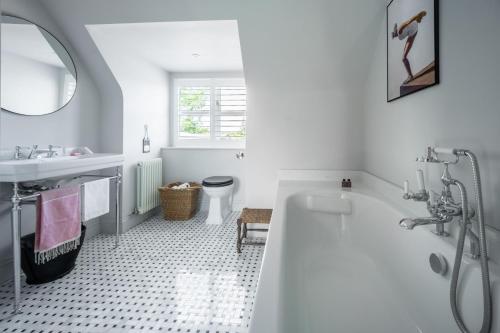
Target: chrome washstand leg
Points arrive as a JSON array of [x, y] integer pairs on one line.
[[117, 204], [16, 246]]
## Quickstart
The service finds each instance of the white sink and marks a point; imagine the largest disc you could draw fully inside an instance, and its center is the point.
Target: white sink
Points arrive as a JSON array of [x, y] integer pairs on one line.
[[39, 160], [36, 169]]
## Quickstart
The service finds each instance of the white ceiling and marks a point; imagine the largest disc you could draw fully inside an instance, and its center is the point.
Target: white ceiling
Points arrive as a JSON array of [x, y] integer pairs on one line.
[[26, 40], [171, 45]]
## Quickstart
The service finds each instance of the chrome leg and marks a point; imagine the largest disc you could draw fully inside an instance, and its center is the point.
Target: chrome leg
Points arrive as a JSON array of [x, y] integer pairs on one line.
[[16, 246], [117, 204]]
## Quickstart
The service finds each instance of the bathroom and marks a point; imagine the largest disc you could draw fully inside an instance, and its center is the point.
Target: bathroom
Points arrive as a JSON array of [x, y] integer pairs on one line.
[[316, 84]]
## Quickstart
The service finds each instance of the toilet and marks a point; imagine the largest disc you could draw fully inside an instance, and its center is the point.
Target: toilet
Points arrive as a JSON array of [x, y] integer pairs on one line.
[[220, 192]]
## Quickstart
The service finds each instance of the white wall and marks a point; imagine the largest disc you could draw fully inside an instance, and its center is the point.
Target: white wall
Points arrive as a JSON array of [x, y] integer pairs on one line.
[[145, 89], [463, 111], [74, 125], [29, 84], [108, 100], [305, 66], [193, 164]]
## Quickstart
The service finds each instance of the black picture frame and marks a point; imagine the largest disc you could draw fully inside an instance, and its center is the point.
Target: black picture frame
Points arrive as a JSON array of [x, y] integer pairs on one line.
[[437, 78]]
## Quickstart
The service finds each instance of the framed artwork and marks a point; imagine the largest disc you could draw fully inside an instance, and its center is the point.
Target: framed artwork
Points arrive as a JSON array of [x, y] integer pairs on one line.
[[412, 46]]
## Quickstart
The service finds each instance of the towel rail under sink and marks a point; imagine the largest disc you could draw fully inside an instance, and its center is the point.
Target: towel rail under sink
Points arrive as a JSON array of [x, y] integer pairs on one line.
[[17, 200]]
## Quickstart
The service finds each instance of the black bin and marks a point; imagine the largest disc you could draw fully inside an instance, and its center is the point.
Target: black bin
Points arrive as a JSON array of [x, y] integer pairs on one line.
[[51, 270]]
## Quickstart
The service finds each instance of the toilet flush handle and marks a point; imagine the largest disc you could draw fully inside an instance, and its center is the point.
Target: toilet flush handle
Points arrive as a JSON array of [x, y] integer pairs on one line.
[[240, 155]]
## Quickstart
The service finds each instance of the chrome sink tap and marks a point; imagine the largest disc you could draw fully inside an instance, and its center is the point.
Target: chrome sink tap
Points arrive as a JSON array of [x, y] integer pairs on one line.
[[33, 150], [18, 152], [19, 155], [51, 153]]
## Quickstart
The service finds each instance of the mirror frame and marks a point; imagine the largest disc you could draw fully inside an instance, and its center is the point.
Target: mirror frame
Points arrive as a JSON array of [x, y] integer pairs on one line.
[[2, 14]]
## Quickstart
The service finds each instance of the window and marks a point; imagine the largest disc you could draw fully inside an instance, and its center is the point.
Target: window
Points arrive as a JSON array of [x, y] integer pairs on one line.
[[67, 86], [209, 113]]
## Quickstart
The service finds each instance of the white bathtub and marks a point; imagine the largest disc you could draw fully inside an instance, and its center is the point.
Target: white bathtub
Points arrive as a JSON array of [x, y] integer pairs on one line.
[[338, 262]]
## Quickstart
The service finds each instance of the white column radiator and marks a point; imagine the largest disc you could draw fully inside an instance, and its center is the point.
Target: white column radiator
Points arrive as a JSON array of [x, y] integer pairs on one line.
[[149, 178]]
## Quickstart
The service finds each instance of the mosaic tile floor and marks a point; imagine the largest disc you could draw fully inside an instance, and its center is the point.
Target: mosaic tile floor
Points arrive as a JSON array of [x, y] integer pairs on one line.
[[164, 277]]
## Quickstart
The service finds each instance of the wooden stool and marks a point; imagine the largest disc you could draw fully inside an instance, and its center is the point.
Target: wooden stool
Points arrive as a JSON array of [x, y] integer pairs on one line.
[[249, 215]]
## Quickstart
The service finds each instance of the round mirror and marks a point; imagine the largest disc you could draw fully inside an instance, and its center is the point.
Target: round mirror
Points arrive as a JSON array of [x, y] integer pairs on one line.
[[38, 75]]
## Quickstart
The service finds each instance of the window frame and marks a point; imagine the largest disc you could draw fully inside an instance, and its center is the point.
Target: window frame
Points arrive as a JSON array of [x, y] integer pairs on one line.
[[211, 141]]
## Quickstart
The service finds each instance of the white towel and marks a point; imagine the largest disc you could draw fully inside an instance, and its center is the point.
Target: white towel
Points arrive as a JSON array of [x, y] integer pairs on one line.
[[95, 198], [181, 186]]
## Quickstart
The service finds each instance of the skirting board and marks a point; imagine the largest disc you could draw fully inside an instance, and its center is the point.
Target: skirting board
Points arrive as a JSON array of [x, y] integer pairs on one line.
[[134, 220], [5, 269]]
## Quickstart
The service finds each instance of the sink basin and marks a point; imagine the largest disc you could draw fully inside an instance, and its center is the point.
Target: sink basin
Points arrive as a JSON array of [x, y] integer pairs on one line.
[[37, 169]]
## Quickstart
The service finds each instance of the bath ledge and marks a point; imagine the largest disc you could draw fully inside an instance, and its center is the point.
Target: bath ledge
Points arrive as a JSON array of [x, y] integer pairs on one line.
[[319, 175]]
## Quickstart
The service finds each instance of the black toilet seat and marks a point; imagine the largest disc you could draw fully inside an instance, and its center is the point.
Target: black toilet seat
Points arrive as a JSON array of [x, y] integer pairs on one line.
[[218, 181]]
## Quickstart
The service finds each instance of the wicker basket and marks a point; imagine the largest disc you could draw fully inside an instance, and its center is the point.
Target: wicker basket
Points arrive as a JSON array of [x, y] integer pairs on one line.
[[179, 205]]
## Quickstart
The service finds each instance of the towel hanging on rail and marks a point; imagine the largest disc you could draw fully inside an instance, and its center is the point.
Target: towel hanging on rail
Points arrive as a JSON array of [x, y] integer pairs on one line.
[[95, 198], [58, 223]]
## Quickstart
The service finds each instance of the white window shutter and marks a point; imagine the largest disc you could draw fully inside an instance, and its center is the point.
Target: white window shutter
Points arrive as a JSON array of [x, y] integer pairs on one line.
[[230, 114]]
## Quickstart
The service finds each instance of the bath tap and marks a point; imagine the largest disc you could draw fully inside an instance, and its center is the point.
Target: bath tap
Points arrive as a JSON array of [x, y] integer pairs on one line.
[[443, 211], [411, 223]]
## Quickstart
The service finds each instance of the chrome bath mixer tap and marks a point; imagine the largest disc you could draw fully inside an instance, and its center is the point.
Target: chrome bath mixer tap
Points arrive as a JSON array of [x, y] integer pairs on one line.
[[444, 210]]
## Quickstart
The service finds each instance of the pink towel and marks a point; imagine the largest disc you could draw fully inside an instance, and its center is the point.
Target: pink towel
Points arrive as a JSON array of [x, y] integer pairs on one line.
[[58, 223]]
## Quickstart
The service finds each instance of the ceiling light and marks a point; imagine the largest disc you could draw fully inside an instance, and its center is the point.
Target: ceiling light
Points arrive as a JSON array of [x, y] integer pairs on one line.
[[195, 55]]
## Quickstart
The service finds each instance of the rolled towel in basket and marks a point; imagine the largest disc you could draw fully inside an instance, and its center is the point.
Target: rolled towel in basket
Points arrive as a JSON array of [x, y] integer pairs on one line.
[[181, 186]]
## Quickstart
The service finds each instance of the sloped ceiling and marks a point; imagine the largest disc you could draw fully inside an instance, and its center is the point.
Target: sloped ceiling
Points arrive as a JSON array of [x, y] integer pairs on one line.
[[194, 46], [305, 64]]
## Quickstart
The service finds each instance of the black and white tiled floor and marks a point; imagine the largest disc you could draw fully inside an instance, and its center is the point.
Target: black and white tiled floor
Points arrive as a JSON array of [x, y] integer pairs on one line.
[[164, 277]]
